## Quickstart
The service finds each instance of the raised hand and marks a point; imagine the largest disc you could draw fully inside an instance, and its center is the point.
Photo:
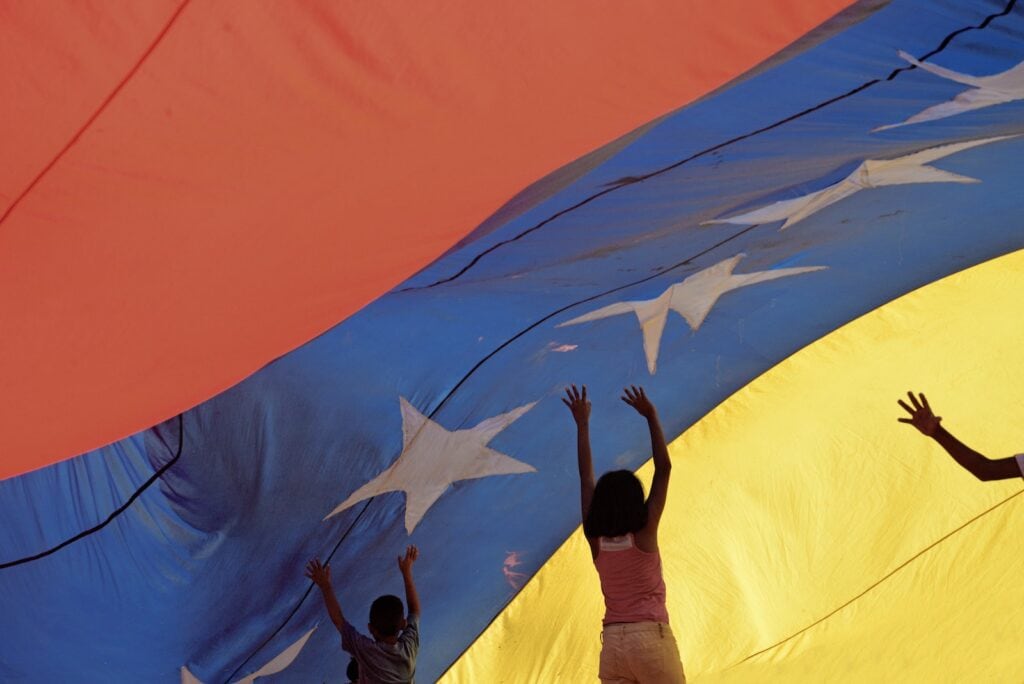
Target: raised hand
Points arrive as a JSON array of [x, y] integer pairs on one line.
[[320, 574], [578, 404], [921, 415], [405, 564], [635, 397]]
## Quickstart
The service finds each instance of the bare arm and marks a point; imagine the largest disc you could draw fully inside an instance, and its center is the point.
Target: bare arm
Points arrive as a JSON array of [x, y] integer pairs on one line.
[[927, 423], [412, 599], [637, 398], [580, 407], [321, 576], [985, 469]]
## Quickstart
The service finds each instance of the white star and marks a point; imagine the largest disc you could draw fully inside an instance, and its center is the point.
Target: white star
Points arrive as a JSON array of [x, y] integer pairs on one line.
[[433, 458], [692, 299], [872, 173], [985, 91], [280, 662]]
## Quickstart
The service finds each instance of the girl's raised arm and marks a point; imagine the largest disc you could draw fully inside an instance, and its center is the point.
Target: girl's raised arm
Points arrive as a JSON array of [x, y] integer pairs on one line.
[[580, 407], [635, 397]]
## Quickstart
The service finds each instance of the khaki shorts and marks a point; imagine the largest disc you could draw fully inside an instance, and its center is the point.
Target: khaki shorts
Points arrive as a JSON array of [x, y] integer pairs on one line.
[[643, 652]]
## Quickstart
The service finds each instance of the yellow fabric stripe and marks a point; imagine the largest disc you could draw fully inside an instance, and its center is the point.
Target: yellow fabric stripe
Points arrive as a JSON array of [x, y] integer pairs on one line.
[[811, 537]]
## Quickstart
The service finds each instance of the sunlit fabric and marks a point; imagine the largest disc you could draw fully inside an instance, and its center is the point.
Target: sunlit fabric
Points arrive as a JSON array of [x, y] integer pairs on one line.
[[747, 259]]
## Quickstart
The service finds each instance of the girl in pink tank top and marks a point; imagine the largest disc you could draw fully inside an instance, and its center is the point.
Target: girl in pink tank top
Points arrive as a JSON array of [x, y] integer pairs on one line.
[[622, 529]]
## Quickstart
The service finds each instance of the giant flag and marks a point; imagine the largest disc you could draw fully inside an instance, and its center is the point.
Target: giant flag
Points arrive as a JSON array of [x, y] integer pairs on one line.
[[776, 262]]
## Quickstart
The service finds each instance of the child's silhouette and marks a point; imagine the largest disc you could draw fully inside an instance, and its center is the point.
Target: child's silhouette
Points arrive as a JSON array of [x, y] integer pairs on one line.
[[390, 656], [622, 529]]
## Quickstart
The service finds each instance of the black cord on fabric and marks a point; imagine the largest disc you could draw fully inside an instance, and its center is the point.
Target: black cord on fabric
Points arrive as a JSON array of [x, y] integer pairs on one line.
[[882, 579], [103, 105], [948, 39], [626, 182], [120, 509]]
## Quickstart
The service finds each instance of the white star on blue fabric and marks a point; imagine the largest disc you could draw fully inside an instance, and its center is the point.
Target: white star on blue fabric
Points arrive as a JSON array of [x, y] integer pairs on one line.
[[692, 299], [278, 663], [985, 91], [433, 458], [872, 173]]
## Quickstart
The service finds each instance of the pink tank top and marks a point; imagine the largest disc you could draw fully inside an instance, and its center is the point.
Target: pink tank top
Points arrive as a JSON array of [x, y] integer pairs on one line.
[[631, 581]]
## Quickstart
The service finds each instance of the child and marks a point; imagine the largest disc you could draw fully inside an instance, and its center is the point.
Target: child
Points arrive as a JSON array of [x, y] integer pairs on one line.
[[622, 529], [983, 468], [390, 657]]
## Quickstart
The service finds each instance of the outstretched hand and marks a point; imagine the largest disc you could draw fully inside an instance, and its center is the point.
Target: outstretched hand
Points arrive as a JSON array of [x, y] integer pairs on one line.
[[320, 574], [578, 404], [921, 415], [405, 564], [635, 397]]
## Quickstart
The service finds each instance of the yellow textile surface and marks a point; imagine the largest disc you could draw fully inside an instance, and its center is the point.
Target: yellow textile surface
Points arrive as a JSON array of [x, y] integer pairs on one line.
[[811, 537]]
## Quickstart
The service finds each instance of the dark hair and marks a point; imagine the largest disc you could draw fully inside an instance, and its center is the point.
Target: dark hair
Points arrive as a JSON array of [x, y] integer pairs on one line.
[[352, 671], [386, 614], [617, 507]]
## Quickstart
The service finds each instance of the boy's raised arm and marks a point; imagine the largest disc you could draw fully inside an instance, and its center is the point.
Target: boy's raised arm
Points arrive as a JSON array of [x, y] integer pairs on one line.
[[412, 599], [321, 576]]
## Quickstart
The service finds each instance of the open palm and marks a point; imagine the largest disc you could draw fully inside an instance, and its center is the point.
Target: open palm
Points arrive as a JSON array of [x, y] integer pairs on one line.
[[921, 415]]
